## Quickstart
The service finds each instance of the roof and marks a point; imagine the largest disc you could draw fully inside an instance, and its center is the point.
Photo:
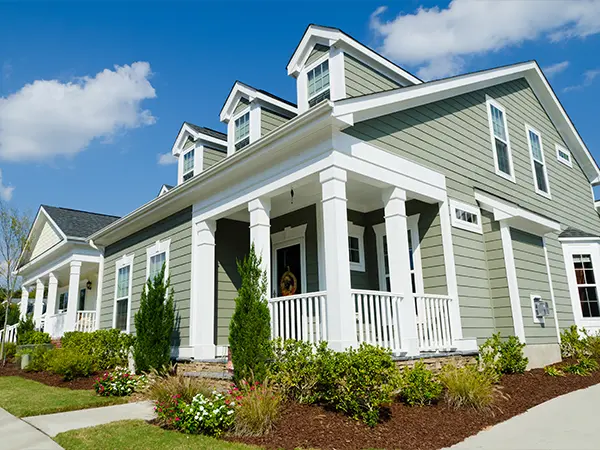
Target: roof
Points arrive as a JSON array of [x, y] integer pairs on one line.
[[240, 89], [575, 233], [76, 223], [208, 131]]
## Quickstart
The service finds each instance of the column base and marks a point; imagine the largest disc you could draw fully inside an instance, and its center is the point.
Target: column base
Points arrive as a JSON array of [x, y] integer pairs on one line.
[[409, 346], [207, 351], [466, 345]]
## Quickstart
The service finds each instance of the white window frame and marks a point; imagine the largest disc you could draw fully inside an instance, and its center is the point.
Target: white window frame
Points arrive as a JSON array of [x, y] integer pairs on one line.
[[530, 129], [457, 223], [309, 68], [489, 103], [412, 223], [193, 149], [560, 148], [159, 247], [124, 261], [286, 238], [234, 119], [358, 232]]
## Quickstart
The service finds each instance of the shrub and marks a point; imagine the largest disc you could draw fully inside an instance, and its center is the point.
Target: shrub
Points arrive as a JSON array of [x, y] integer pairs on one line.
[[419, 386], [70, 363], [118, 383], [467, 387], [207, 415], [497, 357], [10, 350], [163, 389], [170, 412], [39, 358], [250, 327], [584, 367], [108, 348], [593, 346], [154, 323], [257, 407], [34, 337], [553, 371], [24, 326], [572, 344]]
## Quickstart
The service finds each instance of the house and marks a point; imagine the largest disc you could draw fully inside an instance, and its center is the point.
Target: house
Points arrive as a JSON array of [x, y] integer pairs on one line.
[[419, 216], [60, 264]]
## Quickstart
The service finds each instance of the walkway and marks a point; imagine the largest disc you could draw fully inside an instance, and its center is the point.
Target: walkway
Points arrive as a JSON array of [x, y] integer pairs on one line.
[[17, 435], [53, 424], [563, 423]]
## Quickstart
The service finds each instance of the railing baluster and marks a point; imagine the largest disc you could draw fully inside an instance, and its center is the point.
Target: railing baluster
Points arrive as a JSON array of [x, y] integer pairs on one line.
[[318, 318]]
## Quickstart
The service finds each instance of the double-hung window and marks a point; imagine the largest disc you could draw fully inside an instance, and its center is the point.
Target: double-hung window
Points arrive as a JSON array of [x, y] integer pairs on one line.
[[318, 83], [123, 293], [188, 165], [356, 247], [157, 256], [538, 165], [500, 140], [242, 131], [156, 265], [586, 285]]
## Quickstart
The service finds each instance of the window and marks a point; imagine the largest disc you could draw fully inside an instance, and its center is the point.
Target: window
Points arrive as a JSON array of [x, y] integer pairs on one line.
[[586, 285], [500, 140], [563, 155], [538, 166], [318, 83], [188, 165], [81, 305], [356, 247], [465, 216], [63, 302], [242, 131], [156, 264], [156, 257], [122, 305]]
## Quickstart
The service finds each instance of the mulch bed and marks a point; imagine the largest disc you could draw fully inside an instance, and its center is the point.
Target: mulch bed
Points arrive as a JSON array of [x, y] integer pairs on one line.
[[49, 379], [422, 428]]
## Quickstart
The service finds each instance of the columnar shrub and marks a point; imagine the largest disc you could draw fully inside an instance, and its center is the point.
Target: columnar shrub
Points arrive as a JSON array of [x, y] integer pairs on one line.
[[419, 386], [467, 387], [250, 327], [154, 323], [119, 383]]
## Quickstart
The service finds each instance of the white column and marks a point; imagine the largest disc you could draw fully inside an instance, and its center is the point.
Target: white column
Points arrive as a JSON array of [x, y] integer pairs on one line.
[[24, 302], [39, 303], [99, 289], [202, 307], [74, 275], [341, 320], [511, 277], [51, 306], [396, 228], [260, 234]]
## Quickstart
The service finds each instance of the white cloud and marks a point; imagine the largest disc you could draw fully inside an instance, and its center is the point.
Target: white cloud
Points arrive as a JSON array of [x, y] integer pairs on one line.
[[48, 118], [556, 68], [166, 159], [588, 78], [437, 41], [6, 192]]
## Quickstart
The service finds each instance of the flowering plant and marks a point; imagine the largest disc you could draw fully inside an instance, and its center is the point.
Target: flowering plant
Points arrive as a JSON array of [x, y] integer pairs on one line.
[[118, 383], [208, 415], [170, 413]]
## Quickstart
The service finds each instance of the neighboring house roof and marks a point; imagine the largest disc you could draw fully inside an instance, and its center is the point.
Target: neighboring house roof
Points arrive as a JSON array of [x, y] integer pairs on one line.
[[240, 89], [208, 131], [575, 233], [164, 189], [78, 224]]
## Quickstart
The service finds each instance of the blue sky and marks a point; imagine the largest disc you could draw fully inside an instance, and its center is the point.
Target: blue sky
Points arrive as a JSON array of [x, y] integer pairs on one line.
[[93, 143]]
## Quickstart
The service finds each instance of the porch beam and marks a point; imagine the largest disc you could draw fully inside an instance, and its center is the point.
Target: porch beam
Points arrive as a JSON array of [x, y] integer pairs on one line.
[[39, 303], [51, 306], [73, 300], [260, 234]]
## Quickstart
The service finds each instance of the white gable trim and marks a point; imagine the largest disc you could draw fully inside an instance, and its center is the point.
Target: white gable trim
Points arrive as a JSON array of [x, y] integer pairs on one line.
[[38, 217], [186, 131], [240, 90]]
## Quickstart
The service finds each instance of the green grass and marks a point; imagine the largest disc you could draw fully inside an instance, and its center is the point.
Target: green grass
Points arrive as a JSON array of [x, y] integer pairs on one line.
[[138, 435], [22, 397]]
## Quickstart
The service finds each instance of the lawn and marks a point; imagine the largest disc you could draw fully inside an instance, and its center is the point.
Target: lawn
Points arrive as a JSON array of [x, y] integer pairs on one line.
[[22, 398], [138, 435]]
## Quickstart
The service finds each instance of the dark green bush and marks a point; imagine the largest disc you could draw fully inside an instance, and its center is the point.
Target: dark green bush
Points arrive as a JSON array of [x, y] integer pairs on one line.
[[250, 327], [39, 358], [35, 338], [584, 367], [419, 386], [108, 348], [70, 363], [25, 325], [154, 324], [10, 350]]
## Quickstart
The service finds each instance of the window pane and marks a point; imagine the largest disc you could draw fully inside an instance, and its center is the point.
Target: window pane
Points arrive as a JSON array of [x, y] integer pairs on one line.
[[588, 293], [188, 161], [242, 127], [123, 282], [502, 154], [121, 319], [498, 123], [540, 177], [156, 264], [536, 147], [353, 248], [410, 252], [318, 79]]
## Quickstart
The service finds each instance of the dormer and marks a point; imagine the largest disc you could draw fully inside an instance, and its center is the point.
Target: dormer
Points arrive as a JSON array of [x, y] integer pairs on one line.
[[329, 64], [251, 114], [196, 149]]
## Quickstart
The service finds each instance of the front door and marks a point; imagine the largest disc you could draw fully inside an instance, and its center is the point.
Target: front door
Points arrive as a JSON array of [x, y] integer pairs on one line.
[[289, 271]]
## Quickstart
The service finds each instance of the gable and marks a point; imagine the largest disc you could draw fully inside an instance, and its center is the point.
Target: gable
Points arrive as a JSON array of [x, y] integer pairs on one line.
[[44, 236], [317, 52], [241, 105]]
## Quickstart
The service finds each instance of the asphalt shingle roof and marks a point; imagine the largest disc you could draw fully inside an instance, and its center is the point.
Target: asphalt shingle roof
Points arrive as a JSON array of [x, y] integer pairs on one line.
[[78, 224], [208, 131], [574, 232]]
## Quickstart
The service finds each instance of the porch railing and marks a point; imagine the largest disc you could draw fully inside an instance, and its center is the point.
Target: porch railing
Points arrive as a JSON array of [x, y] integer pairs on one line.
[[58, 328], [433, 322], [11, 333], [86, 321], [377, 318], [301, 317]]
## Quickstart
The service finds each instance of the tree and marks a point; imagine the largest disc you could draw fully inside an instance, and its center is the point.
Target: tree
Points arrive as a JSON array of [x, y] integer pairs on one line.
[[250, 328], [154, 324], [14, 228], [13, 313]]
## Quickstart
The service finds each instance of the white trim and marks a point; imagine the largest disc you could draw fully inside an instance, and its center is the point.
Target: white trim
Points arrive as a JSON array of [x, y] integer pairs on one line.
[[186, 131], [243, 90], [255, 122], [157, 248], [552, 297], [321, 248], [358, 232], [511, 277], [337, 74], [459, 223], [99, 288], [528, 129], [288, 237], [124, 261], [559, 148], [489, 102]]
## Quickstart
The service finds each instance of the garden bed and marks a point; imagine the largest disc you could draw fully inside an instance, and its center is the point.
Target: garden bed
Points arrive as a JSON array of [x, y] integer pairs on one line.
[[47, 378], [406, 427]]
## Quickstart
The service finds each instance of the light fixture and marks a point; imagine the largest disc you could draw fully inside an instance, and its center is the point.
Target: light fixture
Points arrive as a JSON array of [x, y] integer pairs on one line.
[[292, 195], [89, 285]]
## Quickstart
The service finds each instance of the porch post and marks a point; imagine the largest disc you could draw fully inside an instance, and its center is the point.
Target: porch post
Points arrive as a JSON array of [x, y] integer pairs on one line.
[[260, 234], [396, 228], [51, 306], [24, 302], [202, 314], [39, 303], [341, 320], [71, 317]]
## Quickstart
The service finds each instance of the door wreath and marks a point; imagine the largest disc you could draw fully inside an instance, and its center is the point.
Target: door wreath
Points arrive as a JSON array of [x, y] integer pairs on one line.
[[288, 283]]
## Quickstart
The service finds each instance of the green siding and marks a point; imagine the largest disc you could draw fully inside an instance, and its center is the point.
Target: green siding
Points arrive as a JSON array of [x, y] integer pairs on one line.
[[362, 79], [178, 229], [212, 156], [452, 137], [317, 52], [242, 104], [188, 144], [270, 120]]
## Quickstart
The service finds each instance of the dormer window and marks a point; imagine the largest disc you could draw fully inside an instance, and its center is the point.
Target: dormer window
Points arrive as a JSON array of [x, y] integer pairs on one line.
[[242, 131], [188, 165], [318, 84]]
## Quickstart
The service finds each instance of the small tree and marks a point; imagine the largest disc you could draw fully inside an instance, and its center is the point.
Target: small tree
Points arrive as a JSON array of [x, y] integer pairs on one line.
[[154, 323], [250, 328]]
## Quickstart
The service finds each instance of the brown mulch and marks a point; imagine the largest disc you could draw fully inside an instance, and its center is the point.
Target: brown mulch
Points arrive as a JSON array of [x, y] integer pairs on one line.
[[49, 379], [422, 428]]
